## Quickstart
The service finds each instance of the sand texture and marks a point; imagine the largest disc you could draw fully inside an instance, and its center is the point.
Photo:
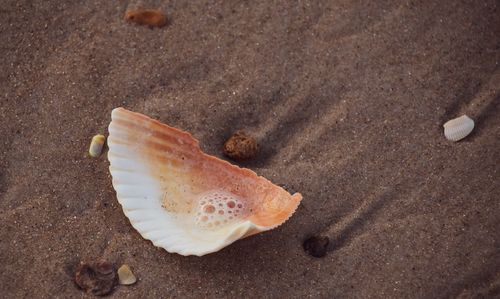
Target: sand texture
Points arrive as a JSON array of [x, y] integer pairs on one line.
[[346, 98]]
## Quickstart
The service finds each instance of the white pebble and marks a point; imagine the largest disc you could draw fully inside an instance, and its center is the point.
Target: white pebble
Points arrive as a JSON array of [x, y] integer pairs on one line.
[[458, 128]]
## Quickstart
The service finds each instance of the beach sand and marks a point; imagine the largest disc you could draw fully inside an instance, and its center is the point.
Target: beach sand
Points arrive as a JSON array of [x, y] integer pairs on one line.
[[347, 99]]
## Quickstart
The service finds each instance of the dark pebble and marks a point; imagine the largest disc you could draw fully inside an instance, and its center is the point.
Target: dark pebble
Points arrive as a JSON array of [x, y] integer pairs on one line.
[[316, 246]]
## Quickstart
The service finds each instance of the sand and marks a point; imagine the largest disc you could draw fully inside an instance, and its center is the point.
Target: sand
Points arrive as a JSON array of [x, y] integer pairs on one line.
[[347, 99]]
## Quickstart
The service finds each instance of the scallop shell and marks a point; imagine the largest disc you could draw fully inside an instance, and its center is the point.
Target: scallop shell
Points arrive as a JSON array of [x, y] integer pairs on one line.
[[458, 128], [182, 199]]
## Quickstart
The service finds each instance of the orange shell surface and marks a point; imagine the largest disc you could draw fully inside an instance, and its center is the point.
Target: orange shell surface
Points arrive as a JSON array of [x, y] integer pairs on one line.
[[164, 182]]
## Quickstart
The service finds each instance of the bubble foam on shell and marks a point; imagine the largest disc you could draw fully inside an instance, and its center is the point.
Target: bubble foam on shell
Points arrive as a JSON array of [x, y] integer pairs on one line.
[[219, 208]]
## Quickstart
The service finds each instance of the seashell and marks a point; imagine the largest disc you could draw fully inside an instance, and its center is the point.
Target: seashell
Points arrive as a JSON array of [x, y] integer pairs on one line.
[[98, 278], [182, 199], [96, 145], [458, 128], [125, 275]]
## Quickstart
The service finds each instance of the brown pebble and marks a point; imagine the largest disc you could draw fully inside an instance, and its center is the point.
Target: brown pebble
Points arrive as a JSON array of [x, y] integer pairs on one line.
[[149, 17], [241, 146], [96, 278], [316, 246]]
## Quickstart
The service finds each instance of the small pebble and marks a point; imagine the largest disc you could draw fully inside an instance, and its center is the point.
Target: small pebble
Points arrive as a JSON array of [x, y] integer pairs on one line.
[[96, 145], [458, 128], [96, 278], [149, 17], [241, 146], [125, 275], [316, 246]]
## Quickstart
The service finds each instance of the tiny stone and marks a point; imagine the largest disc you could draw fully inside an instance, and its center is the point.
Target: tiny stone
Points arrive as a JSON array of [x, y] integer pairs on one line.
[[241, 146], [96, 145], [316, 246], [125, 275], [149, 17]]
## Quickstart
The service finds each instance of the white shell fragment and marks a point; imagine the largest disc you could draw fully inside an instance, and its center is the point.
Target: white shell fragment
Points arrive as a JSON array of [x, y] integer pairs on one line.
[[96, 145], [458, 128], [182, 199], [125, 275]]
